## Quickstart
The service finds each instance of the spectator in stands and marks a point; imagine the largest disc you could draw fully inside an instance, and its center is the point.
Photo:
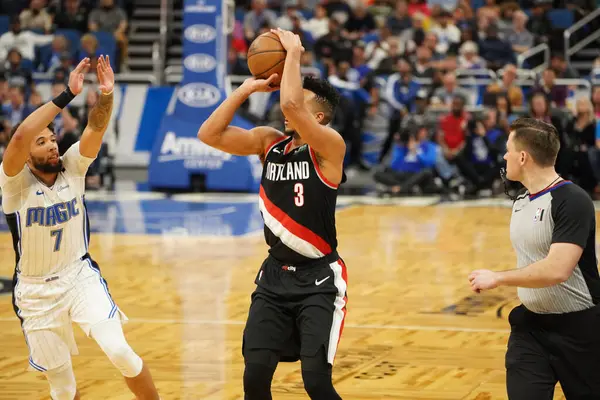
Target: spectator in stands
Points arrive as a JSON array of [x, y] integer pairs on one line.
[[305, 36], [495, 50], [235, 65], [446, 32], [469, 57], [257, 17], [557, 95], [318, 25], [59, 47], [489, 9], [16, 110], [412, 163], [24, 41], [504, 110], [505, 23], [36, 17], [414, 37], [112, 19], [579, 153], [452, 132], [3, 92], [463, 16], [384, 61], [399, 20], [35, 100], [405, 88], [385, 46], [560, 67], [89, 47], [285, 21], [418, 6], [74, 15], [15, 72], [507, 86], [67, 113], [419, 117], [4, 132], [333, 47], [485, 146], [539, 108], [422, 65], [359, 23], [539, 23], [448, 93], [519, 37], [64, 68], [307, 61], [596, 100]]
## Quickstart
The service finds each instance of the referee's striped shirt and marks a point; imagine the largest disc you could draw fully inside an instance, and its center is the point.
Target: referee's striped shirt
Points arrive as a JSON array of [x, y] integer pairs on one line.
[[563, 213]]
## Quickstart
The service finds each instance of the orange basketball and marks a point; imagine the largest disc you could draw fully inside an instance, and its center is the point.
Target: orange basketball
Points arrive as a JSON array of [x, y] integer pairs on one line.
[[266, 56]]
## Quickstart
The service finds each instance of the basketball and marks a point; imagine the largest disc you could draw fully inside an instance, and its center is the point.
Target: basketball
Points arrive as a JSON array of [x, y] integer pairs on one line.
[[266, 56]]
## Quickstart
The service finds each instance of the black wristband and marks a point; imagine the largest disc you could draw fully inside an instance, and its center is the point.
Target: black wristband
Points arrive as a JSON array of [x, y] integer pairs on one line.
[[64, 98]]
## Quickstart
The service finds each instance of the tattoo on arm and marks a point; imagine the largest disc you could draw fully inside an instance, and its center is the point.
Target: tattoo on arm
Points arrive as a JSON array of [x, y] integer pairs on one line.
[[100, 115]]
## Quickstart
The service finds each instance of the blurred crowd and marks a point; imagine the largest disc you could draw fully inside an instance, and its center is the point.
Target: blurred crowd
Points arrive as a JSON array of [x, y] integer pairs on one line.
[[51, 37], [429, 88]]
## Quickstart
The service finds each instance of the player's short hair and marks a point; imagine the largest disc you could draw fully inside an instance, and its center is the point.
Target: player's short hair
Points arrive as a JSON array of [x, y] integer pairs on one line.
[[540, 139], [14, 129], [325, 95]]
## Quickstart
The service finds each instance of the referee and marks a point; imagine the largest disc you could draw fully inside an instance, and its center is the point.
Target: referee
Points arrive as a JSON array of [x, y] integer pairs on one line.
[[555, 333]]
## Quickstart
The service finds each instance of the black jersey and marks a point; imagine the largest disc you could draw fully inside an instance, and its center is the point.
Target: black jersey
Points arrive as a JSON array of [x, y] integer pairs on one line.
[[297, 204]]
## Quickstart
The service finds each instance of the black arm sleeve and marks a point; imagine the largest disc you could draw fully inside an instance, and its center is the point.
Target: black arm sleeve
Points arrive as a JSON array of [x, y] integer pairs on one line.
[[573, 214]]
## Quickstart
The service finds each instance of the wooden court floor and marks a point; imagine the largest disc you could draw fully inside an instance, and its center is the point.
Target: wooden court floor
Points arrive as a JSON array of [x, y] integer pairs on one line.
[[413, 329]]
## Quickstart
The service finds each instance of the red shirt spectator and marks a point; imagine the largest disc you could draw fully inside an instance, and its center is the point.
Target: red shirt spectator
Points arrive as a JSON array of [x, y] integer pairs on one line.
[[454, 124]]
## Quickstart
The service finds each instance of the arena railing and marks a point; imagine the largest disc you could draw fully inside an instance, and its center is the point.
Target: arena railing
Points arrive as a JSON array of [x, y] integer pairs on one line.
[[119, 78], [542, 47], [571, 50]]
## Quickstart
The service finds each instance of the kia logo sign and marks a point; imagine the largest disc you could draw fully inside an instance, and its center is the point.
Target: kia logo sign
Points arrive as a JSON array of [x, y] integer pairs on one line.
[[200, 62], [200, 33], [199, 95]]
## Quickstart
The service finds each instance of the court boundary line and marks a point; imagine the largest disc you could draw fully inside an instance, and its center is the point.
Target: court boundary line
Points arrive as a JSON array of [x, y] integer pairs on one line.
[[378, 327]]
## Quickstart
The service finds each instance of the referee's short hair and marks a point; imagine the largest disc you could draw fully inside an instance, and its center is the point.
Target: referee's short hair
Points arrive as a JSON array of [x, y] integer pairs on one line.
[[538, 138]]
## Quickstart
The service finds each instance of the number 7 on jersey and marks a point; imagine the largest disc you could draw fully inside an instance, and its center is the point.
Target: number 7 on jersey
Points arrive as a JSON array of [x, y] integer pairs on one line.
[[57, 233]]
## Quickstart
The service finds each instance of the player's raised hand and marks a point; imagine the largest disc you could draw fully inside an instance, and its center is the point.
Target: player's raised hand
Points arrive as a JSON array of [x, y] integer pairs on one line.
[[77, 75], [483, 279], [262, 85], [289, 40], [106, 76]]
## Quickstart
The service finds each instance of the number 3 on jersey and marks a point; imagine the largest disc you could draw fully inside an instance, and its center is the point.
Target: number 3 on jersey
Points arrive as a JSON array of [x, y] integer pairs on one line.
[[299, 198], [57, 234]]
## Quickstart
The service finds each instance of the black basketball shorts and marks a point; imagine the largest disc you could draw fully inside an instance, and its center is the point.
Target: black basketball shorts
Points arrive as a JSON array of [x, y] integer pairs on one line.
[[547, 348], [296, 310]]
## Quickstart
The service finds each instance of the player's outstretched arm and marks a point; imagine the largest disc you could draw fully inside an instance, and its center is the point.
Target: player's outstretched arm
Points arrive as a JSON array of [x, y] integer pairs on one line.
[[325, 141], [18, 148], [93, 134], [216, 131]]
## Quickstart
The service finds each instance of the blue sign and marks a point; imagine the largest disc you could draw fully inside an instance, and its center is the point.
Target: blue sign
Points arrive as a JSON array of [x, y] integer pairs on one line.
[[177, 153]]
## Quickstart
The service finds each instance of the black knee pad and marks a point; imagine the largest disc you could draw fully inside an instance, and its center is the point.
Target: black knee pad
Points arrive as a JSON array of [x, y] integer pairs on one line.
[[318, 385], [316, 374], [258, 374]]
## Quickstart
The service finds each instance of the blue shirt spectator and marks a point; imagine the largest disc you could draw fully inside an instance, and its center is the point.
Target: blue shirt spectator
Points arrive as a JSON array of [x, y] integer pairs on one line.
[[422, 156], [16, 110]]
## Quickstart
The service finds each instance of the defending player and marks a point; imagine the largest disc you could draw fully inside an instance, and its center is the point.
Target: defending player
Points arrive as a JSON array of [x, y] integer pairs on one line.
[[299, 305], [56, 280]]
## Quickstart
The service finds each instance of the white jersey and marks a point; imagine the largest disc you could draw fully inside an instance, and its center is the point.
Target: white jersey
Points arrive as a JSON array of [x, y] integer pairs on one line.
[[49, 225]]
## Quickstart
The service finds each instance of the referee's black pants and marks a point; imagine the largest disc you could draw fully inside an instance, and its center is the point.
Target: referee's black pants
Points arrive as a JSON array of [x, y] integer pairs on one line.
[[547, 348]]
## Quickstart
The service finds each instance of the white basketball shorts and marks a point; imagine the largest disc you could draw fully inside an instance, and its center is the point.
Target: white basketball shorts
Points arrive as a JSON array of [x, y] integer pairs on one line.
[[48, 305]]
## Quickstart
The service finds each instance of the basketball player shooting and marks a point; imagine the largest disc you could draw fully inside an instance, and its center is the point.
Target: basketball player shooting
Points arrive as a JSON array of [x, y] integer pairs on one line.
[[56, 282], [298, 308]]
